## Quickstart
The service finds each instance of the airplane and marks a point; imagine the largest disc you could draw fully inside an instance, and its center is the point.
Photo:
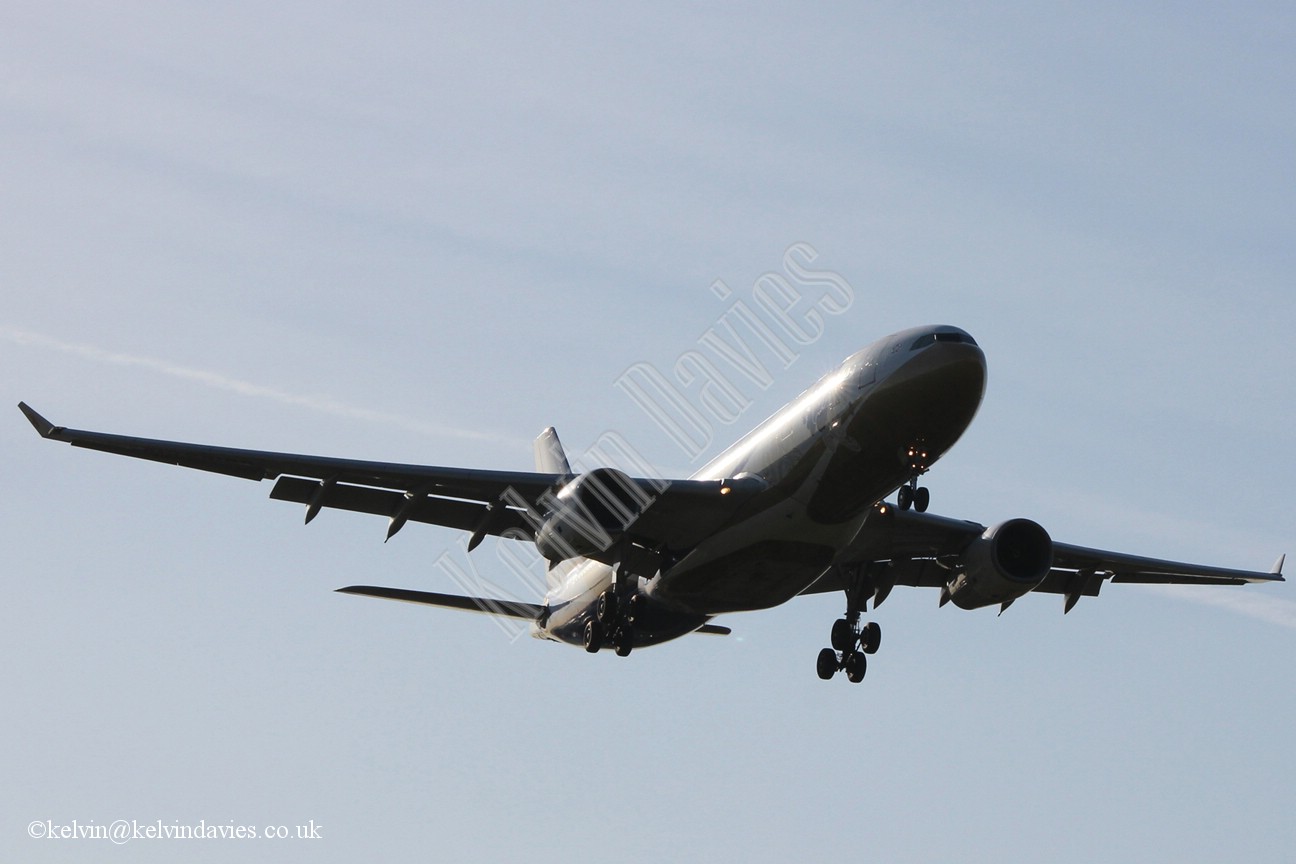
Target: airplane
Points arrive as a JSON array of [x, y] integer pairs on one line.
[[795, 507]]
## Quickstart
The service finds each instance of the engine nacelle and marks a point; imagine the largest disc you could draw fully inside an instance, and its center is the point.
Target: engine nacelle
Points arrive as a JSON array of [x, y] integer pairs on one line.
[[1004, 563], [590, 514]]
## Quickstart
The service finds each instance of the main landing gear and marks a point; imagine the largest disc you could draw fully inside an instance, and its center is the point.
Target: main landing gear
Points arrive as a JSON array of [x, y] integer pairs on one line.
[[851, 641], [613, 621], [850, 645], [911, 494]]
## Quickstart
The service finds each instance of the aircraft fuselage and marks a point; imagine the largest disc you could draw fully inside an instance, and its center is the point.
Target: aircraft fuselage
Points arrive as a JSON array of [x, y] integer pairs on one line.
[[859, 433]]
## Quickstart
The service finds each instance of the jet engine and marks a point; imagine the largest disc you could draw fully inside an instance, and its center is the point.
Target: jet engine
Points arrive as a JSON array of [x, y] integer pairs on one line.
[[590, 514], [1004, 563]]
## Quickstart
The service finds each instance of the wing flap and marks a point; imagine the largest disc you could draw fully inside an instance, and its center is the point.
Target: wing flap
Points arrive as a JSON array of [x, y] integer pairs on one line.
[[432, 510]]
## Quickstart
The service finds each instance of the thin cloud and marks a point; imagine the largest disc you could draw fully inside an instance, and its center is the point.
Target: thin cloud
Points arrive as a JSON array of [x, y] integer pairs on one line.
[[1252, 604], [217, 381]]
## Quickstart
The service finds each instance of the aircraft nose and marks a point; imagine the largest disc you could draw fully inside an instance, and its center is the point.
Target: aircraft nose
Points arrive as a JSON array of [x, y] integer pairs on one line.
[[949, 356]]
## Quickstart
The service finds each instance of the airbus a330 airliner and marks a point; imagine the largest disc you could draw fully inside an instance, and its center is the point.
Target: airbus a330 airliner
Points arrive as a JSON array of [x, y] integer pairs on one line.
[[797, 506]]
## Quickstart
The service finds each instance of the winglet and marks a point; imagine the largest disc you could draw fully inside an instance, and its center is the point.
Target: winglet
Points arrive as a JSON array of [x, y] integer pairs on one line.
[[1278, 565], [549, 455], [43, 426]]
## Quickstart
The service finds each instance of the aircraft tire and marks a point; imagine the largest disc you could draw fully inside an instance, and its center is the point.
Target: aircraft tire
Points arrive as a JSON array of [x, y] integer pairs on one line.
[[606, 609], [856, 665], [623, 639], [826, 665], [843, 635], [871, 638], [593, 636]]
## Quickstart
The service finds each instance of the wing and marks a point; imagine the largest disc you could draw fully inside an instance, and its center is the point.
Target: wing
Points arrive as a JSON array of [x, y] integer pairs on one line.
[[924, 550], [504, 503], [455, 497]]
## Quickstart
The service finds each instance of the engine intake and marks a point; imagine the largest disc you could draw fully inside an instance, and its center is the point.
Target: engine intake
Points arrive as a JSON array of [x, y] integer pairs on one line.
[[1007, 561]]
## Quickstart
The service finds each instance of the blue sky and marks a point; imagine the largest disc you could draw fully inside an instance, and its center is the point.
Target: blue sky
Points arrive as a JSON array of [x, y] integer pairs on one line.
[[423, 234]]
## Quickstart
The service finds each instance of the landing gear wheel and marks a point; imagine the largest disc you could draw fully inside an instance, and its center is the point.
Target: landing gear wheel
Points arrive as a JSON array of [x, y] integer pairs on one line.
[[870, 638], [905, 497], [593, 636], [623, 640], [826, 665], [855, 665], [921, 498], [606, 609], [843, 635]]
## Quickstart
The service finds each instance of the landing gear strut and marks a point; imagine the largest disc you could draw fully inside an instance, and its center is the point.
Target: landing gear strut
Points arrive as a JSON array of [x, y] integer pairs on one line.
[[613, 620], [850, 641]]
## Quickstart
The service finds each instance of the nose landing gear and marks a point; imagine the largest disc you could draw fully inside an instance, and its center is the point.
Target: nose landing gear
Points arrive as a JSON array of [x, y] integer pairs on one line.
[[911, 494]]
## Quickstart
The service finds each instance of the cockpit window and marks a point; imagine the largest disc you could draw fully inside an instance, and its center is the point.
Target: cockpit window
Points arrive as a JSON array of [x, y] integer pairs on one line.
[[932, 338]]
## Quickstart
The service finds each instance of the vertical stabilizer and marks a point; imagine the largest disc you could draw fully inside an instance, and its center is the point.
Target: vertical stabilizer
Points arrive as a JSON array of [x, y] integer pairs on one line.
[[549, 455]]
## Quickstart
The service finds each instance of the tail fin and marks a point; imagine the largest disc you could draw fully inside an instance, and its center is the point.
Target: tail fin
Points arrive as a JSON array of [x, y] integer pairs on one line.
[[549, 455]]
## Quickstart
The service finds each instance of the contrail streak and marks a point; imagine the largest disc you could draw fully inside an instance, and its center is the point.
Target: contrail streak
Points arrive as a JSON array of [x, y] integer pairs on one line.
[[215, 380]]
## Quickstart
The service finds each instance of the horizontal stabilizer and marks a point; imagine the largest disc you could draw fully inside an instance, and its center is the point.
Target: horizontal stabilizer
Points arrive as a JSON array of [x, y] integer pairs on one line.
[[508, 608], [713, 629]]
